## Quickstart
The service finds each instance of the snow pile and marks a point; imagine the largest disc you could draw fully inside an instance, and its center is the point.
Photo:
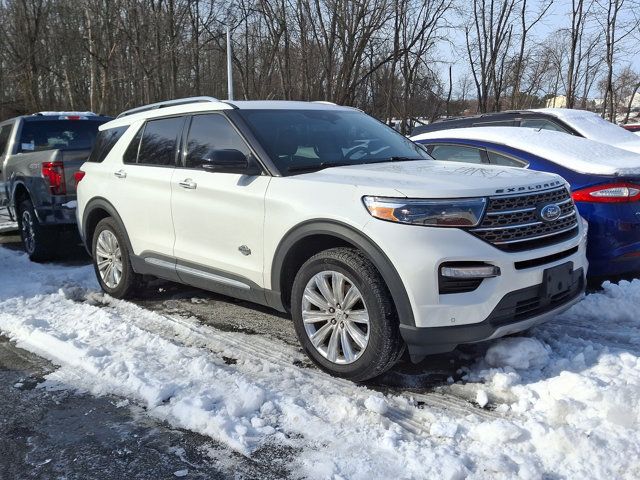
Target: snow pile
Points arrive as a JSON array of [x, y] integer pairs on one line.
[[564, 402]]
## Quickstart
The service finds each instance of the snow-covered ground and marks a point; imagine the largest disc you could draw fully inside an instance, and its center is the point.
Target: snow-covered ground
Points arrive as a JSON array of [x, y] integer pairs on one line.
[[563, 402]]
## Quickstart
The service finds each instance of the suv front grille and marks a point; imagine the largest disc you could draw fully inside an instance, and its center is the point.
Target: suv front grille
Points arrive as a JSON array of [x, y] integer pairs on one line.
[[513, 223]]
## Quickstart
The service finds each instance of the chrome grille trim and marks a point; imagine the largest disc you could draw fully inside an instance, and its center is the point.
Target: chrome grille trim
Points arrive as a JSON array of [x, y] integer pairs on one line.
[[520, 210], [536, 238], [522, 225], [512, 222]]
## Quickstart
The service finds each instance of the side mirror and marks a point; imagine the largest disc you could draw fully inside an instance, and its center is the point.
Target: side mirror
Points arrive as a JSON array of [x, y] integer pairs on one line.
[[230, 161]]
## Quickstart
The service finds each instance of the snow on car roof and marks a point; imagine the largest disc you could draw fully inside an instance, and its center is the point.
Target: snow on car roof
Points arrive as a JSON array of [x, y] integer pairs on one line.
[[591, 125], [575, 153]]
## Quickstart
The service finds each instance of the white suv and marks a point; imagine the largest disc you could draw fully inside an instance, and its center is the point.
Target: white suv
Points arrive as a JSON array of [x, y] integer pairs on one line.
[[324, 212]]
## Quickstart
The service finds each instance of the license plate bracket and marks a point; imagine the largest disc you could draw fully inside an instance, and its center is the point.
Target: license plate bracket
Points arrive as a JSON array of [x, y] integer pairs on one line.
[[556, 280]]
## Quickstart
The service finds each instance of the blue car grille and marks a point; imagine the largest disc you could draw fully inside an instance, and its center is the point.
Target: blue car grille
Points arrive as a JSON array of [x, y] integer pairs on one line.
[[513, 223]]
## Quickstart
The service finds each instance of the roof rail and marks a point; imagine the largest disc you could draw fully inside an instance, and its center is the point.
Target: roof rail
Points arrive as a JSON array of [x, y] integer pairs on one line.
[[167, 103]]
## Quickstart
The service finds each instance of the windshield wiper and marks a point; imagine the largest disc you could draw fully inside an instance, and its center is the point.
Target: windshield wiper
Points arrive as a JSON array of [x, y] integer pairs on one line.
[[394, 159], [316, 167]]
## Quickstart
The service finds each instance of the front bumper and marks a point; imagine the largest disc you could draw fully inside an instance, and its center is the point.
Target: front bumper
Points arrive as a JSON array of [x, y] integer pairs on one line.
[[417, 252], [516, 312]]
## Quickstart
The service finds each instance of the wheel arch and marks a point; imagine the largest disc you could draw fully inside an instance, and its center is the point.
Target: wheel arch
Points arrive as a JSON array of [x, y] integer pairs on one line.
[[97, 209], [306, 239]]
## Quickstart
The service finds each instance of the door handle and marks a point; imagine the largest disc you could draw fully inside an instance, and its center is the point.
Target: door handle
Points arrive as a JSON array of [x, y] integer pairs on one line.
[[188, 184], [120, 174]]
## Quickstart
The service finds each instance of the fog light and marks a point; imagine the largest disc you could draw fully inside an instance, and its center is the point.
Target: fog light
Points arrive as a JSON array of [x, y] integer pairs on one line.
[[480, 271]]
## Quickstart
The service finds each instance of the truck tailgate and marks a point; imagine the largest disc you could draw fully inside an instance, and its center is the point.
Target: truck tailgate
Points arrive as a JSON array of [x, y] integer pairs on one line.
[[72, 161]]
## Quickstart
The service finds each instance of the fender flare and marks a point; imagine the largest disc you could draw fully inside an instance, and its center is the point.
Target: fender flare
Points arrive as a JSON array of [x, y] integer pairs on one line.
[[103, 204], [359, 240]]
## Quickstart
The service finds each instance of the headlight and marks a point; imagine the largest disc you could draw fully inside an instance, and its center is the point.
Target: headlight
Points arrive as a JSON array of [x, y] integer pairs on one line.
[[434, 213]]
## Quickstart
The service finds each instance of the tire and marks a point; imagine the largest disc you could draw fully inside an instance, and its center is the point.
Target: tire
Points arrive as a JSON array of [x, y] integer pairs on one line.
[[39, 242], [109, 249], [376, 346]]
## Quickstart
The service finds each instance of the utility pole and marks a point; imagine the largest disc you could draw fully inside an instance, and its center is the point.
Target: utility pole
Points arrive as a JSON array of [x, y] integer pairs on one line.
[[229, 65]]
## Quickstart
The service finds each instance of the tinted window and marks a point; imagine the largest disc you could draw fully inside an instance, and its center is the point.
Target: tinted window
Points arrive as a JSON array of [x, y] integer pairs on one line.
[[541, 123], [131, 153], [498, 159], [105, 141], [38, 135], [303, 140], [457, 153], [208, 133], [158, 146], [5, 133], [496, 123]]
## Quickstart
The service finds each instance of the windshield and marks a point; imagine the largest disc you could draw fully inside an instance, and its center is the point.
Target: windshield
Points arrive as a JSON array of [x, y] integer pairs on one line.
[[300, 141], [39, 135], [594, 127]]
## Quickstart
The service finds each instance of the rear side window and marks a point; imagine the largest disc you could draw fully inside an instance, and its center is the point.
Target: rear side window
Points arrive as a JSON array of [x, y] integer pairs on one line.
[[541, 123], [5, 133], [105, 141], [159, 141], [39, 135], [457, 153]]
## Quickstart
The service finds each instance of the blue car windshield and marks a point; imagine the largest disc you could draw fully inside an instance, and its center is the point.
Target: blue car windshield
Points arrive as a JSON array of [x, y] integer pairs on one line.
[[299, 141]]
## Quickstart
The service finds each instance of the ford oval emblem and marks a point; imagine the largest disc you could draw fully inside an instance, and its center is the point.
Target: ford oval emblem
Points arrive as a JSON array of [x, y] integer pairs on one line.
[[550, 213]]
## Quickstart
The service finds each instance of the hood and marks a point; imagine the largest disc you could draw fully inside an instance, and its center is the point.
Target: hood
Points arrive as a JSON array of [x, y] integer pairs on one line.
[[435, 179]]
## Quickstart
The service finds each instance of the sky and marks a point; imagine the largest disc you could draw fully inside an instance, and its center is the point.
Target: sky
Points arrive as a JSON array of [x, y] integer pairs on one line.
[[557, 17]]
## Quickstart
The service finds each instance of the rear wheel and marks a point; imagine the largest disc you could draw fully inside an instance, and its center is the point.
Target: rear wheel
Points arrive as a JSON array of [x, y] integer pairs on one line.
[[344, 316], [111, 260], [39, 241]]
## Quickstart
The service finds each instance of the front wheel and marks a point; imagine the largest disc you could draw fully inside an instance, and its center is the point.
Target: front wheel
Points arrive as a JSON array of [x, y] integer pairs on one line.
[[111, 260], [344, 315]]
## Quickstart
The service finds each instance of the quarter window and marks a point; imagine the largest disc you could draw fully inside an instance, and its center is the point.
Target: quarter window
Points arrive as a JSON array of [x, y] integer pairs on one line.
[[105, 141], [457, 153], [209, 133], [5, 133], [498, 159], [158, 143]]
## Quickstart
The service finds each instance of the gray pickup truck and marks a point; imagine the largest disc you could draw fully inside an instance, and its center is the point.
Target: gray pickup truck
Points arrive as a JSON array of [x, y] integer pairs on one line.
[[39, 155]]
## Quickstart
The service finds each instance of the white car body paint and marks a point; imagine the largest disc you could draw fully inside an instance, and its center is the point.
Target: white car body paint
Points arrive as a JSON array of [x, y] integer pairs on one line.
[[208, 225]]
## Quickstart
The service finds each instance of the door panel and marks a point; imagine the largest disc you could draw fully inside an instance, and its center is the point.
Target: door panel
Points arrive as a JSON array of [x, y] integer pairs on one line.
[[218, 217], [142, 198], [141, 185]]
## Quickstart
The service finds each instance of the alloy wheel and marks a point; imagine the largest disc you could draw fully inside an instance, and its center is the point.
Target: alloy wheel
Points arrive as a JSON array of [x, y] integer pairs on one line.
[[109, 258], [335, 317], [28, 232]]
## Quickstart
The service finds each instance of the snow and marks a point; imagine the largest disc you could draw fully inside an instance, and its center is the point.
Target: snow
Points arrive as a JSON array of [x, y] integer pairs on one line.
[[592, 126], [560, 402], [575, 153]]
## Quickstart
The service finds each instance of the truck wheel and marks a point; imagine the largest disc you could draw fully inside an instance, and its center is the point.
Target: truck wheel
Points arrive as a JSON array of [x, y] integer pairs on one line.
[[39, 242], [111, 260], [344, 315]]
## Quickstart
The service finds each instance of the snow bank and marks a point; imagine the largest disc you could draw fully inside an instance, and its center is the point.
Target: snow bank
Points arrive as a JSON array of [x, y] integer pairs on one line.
[[563, 402]]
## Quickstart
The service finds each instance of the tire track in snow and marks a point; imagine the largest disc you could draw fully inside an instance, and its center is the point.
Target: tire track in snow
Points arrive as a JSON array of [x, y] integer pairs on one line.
[[257, 348]]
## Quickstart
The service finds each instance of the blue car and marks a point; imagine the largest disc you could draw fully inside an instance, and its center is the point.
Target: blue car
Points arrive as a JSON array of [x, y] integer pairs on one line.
[[605, 182]]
